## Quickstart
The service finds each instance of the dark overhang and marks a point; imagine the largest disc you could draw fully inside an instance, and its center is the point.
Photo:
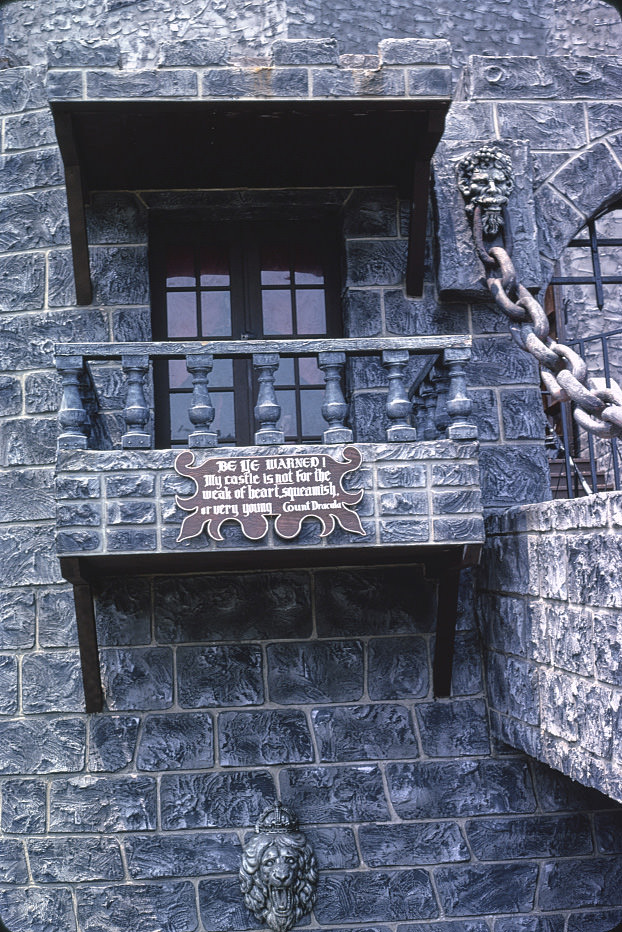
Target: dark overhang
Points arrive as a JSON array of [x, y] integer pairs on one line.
[[224, 144]]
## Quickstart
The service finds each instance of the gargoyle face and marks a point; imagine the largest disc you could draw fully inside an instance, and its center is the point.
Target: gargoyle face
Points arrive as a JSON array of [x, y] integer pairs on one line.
[[278, 871], [490, 188]]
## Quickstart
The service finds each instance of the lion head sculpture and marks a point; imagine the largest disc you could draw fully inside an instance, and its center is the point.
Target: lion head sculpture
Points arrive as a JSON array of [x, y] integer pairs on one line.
[[278, 875], [485, 180]]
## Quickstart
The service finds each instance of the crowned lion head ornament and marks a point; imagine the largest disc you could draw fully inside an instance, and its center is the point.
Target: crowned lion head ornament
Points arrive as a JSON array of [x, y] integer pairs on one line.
[[278, 875]]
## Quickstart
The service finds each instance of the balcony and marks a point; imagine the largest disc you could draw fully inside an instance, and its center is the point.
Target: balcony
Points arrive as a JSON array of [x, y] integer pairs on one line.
[[125, 507]]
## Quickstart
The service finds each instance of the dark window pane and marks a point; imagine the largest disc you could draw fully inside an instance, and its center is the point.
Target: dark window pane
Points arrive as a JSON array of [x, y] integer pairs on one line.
[[285, 373], [214, 266], [216, 314], [180, 422], [277, 313], [313, 424], [221, 375], [178, 375], [288, 423], [181, 314], [224, 419], [275, 265], [310, 312], [180, 266], [310, 373], [308, 267]]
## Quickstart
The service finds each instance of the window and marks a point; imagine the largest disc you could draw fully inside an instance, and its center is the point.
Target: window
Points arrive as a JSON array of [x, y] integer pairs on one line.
[[236, 281]]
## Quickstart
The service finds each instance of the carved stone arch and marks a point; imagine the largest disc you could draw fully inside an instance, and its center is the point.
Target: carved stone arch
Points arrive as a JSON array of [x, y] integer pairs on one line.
[[584, 186]]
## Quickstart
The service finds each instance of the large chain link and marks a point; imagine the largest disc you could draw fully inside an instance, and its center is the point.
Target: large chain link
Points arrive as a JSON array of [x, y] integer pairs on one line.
[[597, 408]]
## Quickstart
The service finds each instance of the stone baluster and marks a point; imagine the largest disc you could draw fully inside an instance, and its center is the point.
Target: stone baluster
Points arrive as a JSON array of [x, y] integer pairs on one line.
[[428, 399], [458, 402], [399, 406], [72, 416], [335, 408], [136, 411], [440, 381], [201, 411], [267, 410]]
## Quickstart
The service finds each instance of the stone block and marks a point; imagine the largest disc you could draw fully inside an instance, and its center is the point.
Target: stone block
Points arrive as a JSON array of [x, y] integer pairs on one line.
[[558, 793], [141, 486], [130, 540], [43, 393], [115, 85], [451, 474], [31, 908], [153, 857], [17, 618], [28, 441], [364, 732], [514, 687], [368, 417], [543, 836], [404, 503], [27, 341], [597, 163], [222, 906], [594, 921], [404, 532], [402, 477], [123, 612], [52, 682], [377, 262], [607, 646], [486, 889], [249, 739], [370, 212], [424, 790], [335, 794], [248, 606], [497, 360], [137, 678], [522, 414], [193, 53], [131, 513], [333, 847], [305, 52], [71, 860], [168, 906], [41, 746], [315, 671], [22, 277], [14, 867], [29, 130], [224, 675], [61, 286], [581, 882], [114, 218], [459, 270], [129, 324], [469, 120], [76, 487], [454, 729], [398, 668], [406, 845], [458, 529], [414, 51], [371, 896], [176, 741], [455, 502], [608, 831], [64, 85], [428, 81], [10, 394], [547, 78], [21, 89], [23, 807], [76, 53], [83, 514], [428, 316], [373, 601], [42, 168], [514, 475], [466, 676], [112, 741], [215, 800], [120, 275], [573, 638], [362, 313], [28, 556], [553, 237], [547, 126], [103, 804], [595, 568], [530, 924], [228, 82]]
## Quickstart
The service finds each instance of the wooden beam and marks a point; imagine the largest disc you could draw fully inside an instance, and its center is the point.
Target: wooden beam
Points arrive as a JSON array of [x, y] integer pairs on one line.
[[71, 570], [74, 183]]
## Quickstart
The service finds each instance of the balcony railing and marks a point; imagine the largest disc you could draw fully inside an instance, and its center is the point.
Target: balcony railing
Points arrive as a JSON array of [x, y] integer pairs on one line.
[[435, 404]]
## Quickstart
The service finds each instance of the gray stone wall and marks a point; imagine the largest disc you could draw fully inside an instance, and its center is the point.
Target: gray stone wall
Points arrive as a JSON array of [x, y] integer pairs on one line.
[[550, 609], [225, 690]]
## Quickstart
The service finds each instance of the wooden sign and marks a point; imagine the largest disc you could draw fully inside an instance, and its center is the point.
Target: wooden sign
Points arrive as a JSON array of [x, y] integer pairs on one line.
[[249, 489]]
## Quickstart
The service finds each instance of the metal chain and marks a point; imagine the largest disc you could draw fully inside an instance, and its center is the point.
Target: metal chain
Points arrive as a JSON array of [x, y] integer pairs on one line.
[[597, 409]]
